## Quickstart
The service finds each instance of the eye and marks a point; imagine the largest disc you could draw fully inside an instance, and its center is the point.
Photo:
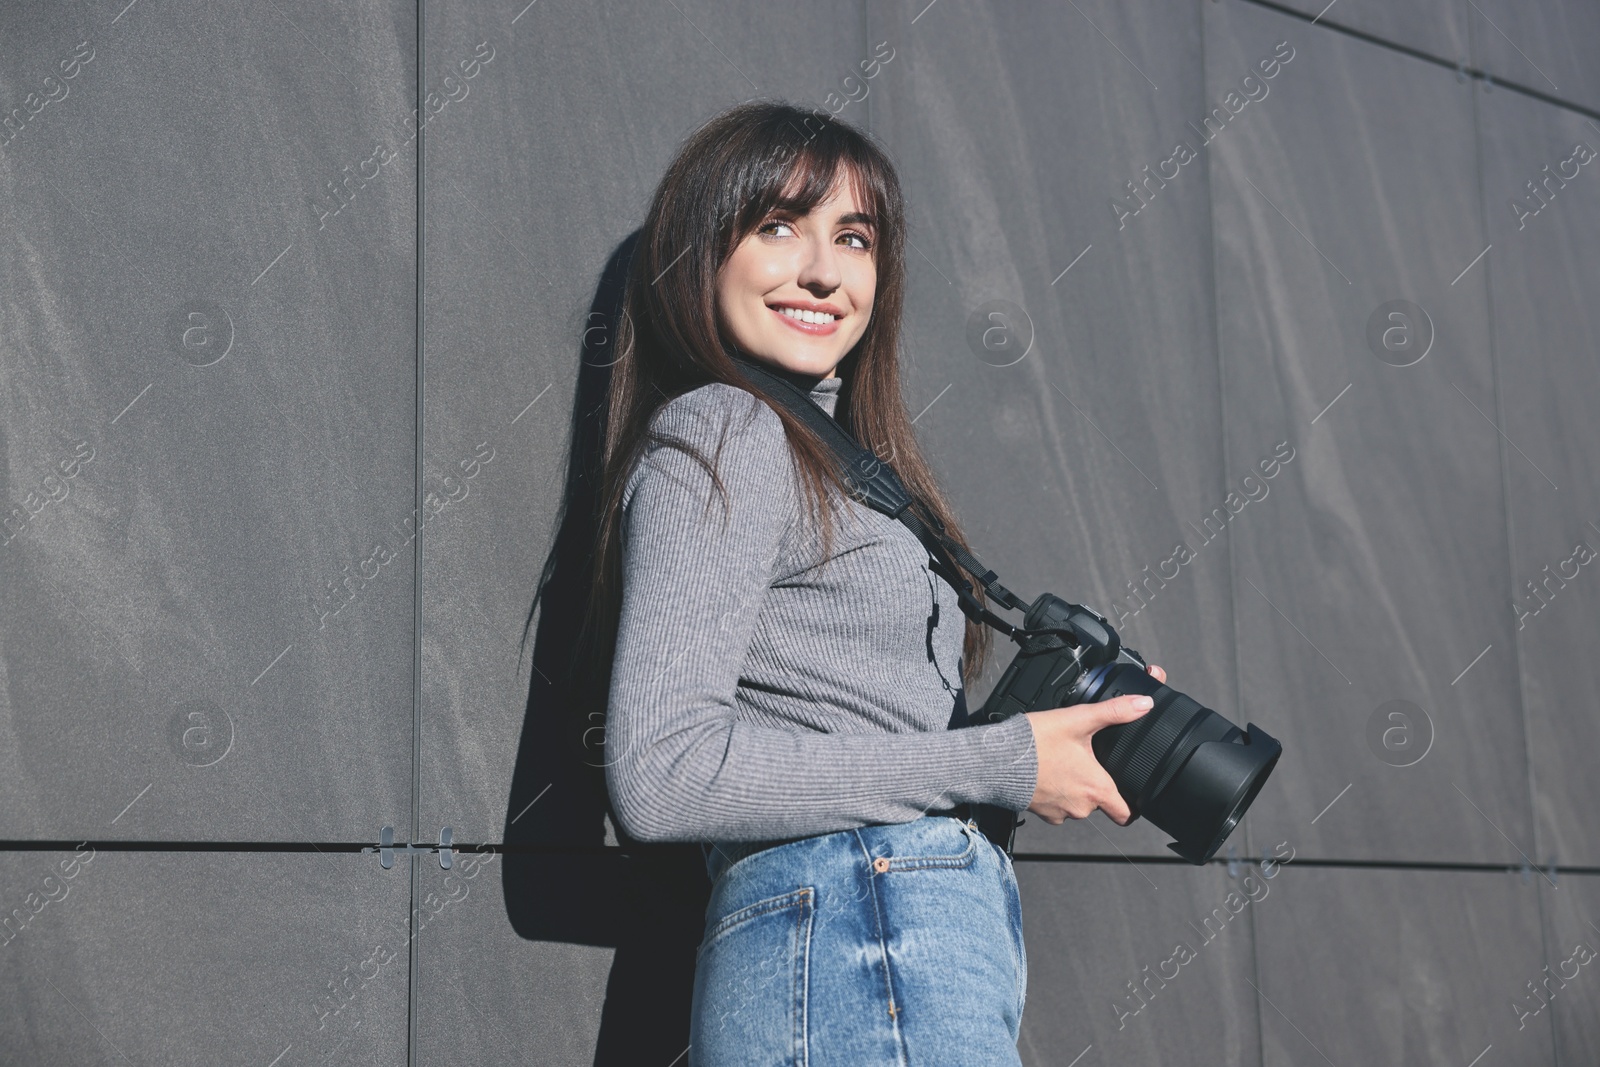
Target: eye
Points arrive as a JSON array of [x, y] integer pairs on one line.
[[770, 223], [865, 243]]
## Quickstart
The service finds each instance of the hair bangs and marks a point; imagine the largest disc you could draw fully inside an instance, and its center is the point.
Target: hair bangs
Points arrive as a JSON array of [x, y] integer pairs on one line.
[[796, 180]]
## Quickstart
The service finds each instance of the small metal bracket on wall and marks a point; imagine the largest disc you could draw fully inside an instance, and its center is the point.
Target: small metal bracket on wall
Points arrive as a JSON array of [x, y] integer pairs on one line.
[[387, 849]]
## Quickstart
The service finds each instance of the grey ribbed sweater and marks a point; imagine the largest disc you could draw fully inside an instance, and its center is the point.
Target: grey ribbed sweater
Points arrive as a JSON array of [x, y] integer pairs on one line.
[[759, 692]]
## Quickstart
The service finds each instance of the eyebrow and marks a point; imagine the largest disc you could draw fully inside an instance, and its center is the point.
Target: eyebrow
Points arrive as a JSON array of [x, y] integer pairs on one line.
[[850, 217]]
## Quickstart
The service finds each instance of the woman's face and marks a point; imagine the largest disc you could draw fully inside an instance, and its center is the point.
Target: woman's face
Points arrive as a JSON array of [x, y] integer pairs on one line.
[[821, 263]]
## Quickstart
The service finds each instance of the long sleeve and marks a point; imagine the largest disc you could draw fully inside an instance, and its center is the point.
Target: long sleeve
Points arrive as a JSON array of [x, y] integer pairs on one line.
[[681, 765]]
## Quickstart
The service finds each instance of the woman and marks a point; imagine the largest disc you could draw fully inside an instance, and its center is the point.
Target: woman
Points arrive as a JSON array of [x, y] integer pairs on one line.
[[784, 666]]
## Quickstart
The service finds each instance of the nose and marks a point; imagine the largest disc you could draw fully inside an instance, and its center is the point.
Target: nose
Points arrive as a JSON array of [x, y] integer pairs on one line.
[[819, 267]]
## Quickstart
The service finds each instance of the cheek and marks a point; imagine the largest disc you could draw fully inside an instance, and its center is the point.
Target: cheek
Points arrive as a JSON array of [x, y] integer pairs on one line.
[[748, 273], [740, 285], [863, 290], [864, 314], [723, 304]]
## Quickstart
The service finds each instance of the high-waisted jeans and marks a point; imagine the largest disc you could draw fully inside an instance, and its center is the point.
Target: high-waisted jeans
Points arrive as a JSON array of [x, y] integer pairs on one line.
[[892, 944]]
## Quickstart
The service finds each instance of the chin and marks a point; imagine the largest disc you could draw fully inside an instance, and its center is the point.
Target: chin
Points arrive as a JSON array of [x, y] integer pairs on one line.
[[818, 364]]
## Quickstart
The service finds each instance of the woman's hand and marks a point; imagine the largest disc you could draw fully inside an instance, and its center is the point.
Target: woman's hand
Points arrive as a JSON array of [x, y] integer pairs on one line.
[[1071, 783]]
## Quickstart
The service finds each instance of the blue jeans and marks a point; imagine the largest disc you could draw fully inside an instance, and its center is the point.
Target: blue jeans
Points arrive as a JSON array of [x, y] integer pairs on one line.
[[891, 944]]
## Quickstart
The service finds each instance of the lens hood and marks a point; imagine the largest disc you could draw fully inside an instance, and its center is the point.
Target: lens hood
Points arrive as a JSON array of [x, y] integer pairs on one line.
[[1203, 800]]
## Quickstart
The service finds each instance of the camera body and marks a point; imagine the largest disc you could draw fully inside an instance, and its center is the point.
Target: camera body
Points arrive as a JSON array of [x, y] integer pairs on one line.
[[1186, 769]]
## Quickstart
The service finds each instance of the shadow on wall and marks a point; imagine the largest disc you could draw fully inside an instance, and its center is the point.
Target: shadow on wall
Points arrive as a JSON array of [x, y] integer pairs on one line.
[[561, 884]]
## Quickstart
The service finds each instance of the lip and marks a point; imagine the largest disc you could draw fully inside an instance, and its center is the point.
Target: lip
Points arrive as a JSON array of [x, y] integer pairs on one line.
[[814, 329], [809, 305]]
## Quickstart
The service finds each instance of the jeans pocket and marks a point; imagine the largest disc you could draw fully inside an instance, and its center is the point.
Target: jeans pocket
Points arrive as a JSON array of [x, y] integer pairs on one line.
[[750, 982], [942, 842]]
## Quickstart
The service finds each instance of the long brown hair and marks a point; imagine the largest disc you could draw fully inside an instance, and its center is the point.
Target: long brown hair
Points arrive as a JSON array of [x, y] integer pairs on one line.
[[728, 176]]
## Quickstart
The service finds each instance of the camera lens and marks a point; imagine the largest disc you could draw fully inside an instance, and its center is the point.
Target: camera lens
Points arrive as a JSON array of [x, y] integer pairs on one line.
[[1182, 766]]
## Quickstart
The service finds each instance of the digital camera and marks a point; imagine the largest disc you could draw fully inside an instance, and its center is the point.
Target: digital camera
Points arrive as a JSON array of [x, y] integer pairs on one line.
[[1188, 770]]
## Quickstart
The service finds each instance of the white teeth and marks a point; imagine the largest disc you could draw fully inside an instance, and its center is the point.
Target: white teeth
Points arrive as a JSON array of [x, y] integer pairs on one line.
[[805, 316]]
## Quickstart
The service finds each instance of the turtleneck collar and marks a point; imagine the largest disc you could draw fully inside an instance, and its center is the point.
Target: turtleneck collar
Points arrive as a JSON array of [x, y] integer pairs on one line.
[[826, 393]]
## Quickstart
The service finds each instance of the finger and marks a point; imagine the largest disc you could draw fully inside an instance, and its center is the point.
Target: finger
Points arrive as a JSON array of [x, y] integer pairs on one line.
[[1157, 673], [1117, 808], [1120, 709]]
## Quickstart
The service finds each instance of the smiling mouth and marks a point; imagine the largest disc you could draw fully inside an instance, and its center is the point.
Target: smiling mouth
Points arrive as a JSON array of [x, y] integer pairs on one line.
[[811, 322]]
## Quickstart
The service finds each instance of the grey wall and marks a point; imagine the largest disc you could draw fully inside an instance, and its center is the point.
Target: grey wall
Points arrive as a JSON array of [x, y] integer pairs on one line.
[[281, 483]]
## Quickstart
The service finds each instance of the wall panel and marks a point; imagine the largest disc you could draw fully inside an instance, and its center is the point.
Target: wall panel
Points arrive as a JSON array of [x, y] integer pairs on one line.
[[216, 604], [1562, 992], [1369, 575], [1146, 964], [1543, 270], [1368, 966], [191, 958]]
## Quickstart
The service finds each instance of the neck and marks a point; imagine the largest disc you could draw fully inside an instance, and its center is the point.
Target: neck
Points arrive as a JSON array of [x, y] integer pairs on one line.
[[800, 378]]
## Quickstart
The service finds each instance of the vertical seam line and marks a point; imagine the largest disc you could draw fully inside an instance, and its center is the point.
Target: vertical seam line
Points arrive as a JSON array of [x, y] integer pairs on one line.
[[416, 555], [1233, 567], [883, 949], [807, 921], [1510, 526]]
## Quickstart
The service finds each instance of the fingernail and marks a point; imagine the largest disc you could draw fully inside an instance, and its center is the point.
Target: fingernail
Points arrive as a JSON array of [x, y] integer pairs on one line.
[[1143, 703]]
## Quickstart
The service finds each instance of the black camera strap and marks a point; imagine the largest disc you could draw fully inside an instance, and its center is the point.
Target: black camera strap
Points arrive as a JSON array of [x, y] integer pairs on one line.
[[874, 483]]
